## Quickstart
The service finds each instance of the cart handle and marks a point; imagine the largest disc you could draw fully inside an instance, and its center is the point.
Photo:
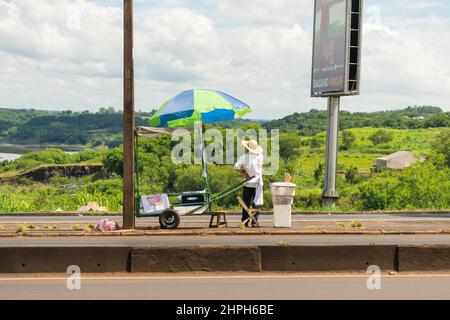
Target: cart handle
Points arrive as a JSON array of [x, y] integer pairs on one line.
[[218, 196], [230, 190]]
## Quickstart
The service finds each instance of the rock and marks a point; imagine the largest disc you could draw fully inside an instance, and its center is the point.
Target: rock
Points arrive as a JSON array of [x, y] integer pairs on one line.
[[93, 207], [83, 209]]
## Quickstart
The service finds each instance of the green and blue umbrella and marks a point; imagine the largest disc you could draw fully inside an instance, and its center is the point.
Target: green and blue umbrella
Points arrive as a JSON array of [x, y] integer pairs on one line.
[[207, 106]]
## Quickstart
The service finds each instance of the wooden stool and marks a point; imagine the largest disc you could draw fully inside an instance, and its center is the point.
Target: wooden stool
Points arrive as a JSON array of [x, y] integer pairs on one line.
[[219, 223]]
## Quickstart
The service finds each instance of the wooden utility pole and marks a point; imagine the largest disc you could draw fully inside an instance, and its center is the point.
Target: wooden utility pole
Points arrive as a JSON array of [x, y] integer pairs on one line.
[[128, 120]]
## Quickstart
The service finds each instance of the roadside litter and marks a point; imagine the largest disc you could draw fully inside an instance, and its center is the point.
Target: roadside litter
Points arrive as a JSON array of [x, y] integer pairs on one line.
[[93, 207], [106, 225]]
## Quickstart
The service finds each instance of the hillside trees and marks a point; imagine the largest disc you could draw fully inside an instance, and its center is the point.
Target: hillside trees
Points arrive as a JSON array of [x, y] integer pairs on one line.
[[381, 137]]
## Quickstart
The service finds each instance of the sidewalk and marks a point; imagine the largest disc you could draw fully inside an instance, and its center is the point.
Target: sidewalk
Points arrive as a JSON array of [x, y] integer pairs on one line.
[[151, 228]]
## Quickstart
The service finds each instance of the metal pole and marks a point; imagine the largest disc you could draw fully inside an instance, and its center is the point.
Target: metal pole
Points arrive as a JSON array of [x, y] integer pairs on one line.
[[128, 120], [205, 164], [330, 194]]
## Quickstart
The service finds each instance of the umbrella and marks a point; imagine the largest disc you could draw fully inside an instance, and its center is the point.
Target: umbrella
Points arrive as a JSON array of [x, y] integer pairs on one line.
[[207, 106]]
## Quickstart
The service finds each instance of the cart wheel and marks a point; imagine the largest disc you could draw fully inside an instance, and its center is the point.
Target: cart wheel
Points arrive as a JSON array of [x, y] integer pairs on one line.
[[169, 219]]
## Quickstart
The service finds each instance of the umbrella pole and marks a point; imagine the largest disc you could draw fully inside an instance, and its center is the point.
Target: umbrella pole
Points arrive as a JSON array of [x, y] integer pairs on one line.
[[205, 164]]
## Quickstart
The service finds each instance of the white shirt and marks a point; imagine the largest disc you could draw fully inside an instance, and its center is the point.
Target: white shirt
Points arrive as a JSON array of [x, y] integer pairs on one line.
[[252, 164]]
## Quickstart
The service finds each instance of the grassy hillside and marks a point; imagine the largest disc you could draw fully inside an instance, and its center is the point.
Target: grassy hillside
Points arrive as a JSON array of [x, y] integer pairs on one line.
[[365, 137], [315, 121], [104, 128], [92, 130], [11, 119], [423, 186]]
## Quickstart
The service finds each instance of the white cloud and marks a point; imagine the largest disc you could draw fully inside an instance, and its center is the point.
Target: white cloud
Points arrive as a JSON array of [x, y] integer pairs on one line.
[[263, 11], [259, 53], [405, 63]]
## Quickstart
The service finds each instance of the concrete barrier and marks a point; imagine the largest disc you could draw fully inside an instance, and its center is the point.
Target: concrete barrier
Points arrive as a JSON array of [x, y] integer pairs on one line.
[[424, 258], [57, 259], [225, 259], [328, 258], [186, 259]]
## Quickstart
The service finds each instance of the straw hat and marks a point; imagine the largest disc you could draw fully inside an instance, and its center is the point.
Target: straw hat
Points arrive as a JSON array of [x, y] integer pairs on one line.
[[253, 146]]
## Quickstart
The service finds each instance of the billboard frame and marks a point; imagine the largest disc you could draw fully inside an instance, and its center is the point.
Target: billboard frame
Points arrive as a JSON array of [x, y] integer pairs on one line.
[[349, 5]]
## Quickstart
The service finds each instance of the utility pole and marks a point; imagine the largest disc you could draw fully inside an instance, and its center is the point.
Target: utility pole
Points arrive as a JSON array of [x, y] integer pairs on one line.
[[330, 194], [128, 120]]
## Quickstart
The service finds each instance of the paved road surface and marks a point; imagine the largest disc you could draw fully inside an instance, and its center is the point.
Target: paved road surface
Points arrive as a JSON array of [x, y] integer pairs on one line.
[[321, 217], [229, 240], [261, 287]]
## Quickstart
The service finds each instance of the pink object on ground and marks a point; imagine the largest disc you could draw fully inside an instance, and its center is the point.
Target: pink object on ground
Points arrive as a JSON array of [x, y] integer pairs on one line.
[[106, 225]]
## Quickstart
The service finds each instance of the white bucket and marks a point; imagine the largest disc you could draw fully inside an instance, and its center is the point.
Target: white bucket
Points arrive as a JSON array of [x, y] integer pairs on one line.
[[282, 216], [283, 194]]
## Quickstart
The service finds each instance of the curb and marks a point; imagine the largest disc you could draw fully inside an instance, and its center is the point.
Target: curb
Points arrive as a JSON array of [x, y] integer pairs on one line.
[[333, 259], [268, 213], [207, 232]]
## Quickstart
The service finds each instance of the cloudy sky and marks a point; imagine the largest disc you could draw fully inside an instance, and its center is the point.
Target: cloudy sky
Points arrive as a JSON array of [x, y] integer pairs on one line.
[[67, 54]]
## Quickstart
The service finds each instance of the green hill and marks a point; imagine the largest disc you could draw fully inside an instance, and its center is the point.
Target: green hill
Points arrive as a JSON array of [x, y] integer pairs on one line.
[[315, 121], [63, 128], [47, 128]]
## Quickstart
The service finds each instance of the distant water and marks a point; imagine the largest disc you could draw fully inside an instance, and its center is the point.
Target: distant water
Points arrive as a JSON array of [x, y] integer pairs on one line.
[[13, 152], [9, 156]]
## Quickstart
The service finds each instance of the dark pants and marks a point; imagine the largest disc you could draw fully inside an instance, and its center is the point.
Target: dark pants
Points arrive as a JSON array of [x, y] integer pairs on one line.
[[248, 195]]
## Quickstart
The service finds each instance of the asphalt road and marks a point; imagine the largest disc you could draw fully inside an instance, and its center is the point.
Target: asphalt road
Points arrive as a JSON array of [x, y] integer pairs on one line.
[[226, 287], [230, 240], [205, 218]]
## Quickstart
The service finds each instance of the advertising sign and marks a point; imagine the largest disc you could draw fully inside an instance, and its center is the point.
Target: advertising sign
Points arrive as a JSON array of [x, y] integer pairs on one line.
[[332, 36]]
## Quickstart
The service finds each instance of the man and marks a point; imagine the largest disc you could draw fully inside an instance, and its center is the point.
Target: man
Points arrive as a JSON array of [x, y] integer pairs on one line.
[[250, 165]]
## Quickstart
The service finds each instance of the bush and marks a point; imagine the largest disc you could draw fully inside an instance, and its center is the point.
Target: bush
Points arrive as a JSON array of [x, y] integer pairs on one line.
[[107, 187], [377, 194], [348, 140], [48, 156], [351, 175], [440, 120], [442, 145], [381, 137], [87, 155], [421, 187], [113, 161], [289, 145], [315, 142]]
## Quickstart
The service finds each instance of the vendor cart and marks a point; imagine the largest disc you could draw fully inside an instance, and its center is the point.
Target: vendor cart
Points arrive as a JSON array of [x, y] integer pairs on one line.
[[182, 111]]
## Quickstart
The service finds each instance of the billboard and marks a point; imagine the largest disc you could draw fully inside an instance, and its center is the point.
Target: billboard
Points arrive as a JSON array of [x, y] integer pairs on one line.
[[336, 53]]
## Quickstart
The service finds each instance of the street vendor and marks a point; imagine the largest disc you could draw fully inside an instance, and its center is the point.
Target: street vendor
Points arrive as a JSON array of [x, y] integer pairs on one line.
[[250, 165]]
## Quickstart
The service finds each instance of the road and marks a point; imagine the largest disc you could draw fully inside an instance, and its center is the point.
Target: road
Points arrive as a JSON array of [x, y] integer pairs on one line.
[[235, 218], [230, 240], [226, 287]]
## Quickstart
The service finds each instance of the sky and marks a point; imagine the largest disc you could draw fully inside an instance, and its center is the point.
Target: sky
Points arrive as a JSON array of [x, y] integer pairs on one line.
[[67, 54]]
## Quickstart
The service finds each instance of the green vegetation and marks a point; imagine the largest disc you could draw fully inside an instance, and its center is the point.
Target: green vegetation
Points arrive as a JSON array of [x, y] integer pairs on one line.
[[20, 229], [315, 121], [12, 119], [442, 145], [381, 137], [348, 139], [356, 225], [65, 128], [424, 186], [51, 156]]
